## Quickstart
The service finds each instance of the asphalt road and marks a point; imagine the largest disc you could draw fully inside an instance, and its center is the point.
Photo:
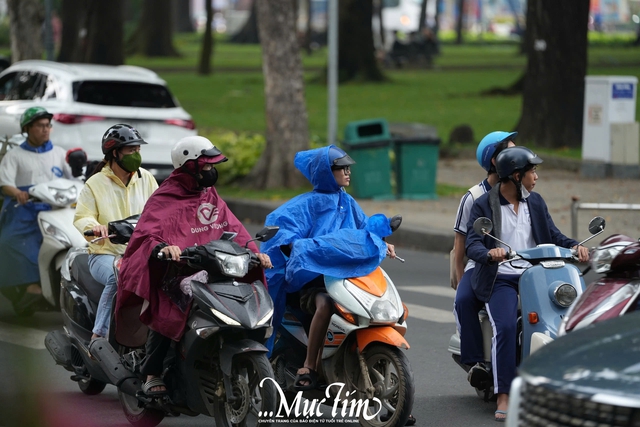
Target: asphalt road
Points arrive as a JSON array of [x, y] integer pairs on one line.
[[36, 392]]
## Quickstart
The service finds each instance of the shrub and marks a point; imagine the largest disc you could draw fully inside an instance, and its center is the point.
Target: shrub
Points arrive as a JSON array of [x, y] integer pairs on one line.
[[242, 149]]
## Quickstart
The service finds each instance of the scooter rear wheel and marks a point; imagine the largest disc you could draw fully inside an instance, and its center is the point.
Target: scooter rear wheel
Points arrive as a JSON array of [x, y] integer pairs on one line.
[[138, 415]]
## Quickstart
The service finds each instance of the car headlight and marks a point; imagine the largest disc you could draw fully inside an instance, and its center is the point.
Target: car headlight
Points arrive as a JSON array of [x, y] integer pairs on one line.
[[55, 232], [226, 319], [565, 294], [233, 265], [602, 257], [381, 309], [64, 196]]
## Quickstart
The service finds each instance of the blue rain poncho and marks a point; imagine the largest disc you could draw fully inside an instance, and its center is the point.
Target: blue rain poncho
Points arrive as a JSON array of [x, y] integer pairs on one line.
[[329, 233]]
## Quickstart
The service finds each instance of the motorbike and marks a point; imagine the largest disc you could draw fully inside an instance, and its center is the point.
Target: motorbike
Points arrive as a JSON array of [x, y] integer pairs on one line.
[[362, 359], [547, 289], [58, 236], [616, 293], [218, 366]]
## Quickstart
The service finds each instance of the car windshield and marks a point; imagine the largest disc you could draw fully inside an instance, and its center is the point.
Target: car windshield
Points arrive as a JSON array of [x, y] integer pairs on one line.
[[123, 94]]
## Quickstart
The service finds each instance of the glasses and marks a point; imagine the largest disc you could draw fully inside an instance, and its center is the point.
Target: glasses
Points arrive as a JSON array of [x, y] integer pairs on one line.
[[42, 126], [345, 169]]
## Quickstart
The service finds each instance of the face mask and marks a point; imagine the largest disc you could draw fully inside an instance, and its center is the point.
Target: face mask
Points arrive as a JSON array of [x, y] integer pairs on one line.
[[209, 178], [130, 162]]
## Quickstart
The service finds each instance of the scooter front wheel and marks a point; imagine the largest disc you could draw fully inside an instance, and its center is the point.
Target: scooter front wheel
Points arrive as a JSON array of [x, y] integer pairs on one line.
[[392, 379], [254, 403], [91, 386]]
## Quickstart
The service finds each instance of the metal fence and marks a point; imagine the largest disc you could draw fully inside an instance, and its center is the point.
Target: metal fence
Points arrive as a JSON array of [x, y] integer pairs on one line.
[[576, 205]]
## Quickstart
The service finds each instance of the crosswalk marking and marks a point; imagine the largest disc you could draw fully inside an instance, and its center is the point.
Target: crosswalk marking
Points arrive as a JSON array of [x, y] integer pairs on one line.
[[25, 337], [440, 291], [430, 314]]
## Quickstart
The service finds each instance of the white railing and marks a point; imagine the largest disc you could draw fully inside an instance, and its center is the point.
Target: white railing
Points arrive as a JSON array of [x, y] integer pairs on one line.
[[576, 205]]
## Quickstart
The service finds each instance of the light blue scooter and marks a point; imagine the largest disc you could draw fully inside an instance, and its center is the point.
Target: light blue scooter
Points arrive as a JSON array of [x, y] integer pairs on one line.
[[546, 290]]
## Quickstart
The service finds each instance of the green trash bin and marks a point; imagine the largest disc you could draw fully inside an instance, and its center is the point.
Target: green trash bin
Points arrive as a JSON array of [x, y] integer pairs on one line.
[[417, 151], [368, 142]]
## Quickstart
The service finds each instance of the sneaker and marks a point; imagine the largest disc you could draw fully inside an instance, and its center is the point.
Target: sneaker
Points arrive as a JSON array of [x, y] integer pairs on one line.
[[479, 376]]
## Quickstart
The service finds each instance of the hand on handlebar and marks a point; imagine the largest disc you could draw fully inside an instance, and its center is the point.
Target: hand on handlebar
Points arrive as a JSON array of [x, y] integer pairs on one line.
[[391, 250], [581, 252], [265, 261], [22, 197], [100, 231], [171, 252], [498, 254]]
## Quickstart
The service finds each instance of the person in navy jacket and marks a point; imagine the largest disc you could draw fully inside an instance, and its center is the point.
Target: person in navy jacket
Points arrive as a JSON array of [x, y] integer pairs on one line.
[[521, 219]]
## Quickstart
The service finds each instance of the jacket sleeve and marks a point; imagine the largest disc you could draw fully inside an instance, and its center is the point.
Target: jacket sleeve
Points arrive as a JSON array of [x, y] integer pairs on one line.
[[477, 246], [86, 216]]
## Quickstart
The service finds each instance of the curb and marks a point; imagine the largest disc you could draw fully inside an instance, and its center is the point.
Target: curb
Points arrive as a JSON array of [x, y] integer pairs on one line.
[[407, 236]]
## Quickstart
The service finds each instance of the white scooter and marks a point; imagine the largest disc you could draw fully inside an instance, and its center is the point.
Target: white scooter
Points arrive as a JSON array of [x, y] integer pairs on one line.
[[58, 232]]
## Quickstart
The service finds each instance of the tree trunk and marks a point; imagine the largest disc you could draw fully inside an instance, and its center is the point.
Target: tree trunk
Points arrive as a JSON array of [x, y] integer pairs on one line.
[[73, 15], [553, 96], [249, 33], [309, 31], [356, 51], [423, 16], [286, 114], [105, 43], [153, 36], [182, 16], [460, 21], [204, 67], [26, 18]]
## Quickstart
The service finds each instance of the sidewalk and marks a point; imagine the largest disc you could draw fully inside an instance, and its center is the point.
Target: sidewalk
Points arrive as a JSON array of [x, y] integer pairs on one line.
[[428, 224]]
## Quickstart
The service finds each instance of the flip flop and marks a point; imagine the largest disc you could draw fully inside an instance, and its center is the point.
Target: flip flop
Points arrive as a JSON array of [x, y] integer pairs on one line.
[[154, 382], [311, 377], [500, 419]]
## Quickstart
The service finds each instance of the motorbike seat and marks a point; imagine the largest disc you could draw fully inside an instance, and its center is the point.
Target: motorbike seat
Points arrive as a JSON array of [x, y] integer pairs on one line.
[[80, 270]]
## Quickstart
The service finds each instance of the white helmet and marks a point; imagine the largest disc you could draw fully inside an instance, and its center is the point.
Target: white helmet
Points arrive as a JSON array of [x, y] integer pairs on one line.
[[193, 147]]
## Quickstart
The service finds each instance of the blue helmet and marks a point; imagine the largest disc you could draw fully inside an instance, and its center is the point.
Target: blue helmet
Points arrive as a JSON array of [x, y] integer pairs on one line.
[[486, 148], [339, 158]]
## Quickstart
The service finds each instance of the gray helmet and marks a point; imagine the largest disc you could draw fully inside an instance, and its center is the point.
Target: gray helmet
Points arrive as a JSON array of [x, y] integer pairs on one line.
[[515, 159]]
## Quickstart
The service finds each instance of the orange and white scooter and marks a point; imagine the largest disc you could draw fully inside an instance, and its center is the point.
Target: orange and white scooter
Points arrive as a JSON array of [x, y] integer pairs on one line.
[[363, 364]]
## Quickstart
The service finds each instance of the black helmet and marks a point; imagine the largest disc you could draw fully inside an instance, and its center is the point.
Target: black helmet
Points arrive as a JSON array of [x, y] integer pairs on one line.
[[515, 159], [120, 135], [339, 158]]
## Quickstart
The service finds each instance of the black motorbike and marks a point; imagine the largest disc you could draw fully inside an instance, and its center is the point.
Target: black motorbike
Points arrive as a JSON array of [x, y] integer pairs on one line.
[[216, 368]]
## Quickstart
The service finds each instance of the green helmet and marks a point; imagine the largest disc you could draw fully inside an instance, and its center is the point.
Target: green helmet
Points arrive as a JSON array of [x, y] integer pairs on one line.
[[32, 114]]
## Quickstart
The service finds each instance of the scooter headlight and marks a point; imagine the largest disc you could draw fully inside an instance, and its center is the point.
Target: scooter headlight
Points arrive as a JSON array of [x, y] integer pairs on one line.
[[602, 257], [233, 265], [265, 318], [55, 232], [382, 309], [64, 196], [565, 294], [226, 319]]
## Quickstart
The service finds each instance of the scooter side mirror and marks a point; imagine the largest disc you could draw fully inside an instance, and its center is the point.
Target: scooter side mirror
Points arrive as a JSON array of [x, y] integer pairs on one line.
[[267, 233], [395, 222], [596, 225], [482, 226]]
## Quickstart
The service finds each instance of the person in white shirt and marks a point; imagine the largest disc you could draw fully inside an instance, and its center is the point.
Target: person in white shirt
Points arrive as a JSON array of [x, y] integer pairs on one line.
[[35, 161]]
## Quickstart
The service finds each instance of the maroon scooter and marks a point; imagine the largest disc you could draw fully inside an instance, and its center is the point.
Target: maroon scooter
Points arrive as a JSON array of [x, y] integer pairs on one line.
[[612, 295]]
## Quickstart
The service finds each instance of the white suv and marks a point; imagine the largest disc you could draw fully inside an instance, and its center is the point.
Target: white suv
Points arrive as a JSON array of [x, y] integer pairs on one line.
[[86, 100]]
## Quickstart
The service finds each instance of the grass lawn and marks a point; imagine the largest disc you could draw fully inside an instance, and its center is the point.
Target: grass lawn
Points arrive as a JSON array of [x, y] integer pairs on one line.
[[449, 95]]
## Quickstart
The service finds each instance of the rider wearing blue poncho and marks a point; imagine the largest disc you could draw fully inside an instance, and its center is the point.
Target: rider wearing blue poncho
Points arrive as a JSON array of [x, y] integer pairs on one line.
[[323, 232]]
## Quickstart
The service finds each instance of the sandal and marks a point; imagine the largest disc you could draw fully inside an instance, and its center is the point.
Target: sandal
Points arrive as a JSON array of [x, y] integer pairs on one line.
[[154, 382], [500, 419], [311, 377]]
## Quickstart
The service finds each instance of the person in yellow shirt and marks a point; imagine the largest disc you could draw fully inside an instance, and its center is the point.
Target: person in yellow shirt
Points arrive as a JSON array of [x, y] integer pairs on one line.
[[117, 189]]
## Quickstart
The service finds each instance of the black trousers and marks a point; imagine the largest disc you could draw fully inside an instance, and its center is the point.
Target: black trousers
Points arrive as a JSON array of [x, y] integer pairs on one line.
[[156, 348]]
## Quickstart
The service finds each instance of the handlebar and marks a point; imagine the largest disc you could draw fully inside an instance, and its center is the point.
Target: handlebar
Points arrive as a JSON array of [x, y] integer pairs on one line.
[[89, 233]]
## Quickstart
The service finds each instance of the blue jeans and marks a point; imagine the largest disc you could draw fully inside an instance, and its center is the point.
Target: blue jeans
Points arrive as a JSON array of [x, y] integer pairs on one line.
[[101, 268]]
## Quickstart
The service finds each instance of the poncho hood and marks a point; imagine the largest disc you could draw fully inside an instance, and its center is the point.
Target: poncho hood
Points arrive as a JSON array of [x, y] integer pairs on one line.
[[176, 214], [316, 167]]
